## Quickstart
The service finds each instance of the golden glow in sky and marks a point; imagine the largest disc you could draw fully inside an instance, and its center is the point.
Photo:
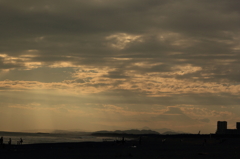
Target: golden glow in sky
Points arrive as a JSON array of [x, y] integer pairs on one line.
[[105, 65]]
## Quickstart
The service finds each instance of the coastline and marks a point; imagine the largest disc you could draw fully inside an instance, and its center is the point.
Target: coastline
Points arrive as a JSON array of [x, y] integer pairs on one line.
[[147, 148]]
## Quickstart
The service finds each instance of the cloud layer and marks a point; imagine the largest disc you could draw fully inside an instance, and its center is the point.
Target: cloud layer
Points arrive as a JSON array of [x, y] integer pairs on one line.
[[136, 60]]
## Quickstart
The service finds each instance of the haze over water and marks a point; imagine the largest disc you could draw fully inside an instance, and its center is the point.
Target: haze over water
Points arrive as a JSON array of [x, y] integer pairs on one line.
[[33, 138]]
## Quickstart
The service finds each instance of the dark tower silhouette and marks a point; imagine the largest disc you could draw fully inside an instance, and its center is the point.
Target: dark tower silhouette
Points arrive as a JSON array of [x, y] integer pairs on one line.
[[222, 127], [238, 127]]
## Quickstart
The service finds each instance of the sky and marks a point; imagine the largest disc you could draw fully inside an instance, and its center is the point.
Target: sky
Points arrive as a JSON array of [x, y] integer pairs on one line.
[[119, 64]]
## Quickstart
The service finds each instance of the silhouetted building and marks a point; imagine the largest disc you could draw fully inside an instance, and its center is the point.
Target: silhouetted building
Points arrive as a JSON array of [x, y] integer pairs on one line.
[[238, 125], [222, 128]]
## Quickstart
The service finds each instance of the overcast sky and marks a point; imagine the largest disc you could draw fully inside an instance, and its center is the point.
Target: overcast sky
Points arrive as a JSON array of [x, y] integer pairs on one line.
[[119, 64]]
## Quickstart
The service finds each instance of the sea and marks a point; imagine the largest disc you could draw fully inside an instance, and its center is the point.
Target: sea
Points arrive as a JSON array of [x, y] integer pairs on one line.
[[37, 138]]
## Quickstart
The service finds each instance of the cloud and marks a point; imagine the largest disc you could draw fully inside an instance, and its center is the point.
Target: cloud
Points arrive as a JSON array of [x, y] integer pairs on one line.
[[39, 74], [134, 52], [204, 120], [174, 114]]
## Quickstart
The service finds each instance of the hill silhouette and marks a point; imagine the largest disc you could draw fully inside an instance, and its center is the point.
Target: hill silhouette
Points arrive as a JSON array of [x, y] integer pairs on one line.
[[126, 132]]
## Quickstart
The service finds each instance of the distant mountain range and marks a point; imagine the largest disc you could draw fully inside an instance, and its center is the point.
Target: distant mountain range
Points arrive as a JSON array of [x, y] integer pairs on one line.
[[144, 130], [70, 132], [139, 132], [132, 131], [165, 131]]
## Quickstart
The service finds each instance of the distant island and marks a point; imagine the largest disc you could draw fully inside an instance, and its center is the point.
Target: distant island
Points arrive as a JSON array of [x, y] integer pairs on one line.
[[132, 131]]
